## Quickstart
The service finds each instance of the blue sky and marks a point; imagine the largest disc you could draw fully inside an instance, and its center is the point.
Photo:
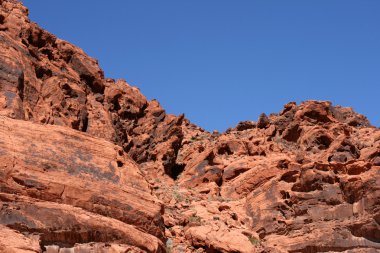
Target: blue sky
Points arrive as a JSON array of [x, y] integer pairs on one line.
[[223, 61]]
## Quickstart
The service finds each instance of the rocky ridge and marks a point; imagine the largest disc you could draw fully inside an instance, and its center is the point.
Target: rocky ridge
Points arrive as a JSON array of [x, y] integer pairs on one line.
[[88, 164]]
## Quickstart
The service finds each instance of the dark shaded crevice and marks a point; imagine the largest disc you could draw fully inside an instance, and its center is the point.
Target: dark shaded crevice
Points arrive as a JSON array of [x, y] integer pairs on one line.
[[176, 170], [67, 90], [210, 249], [83, 114], [32, 42], [36, 39], [119, 125], [67, 56], [127, 115], [292, 134], [290, 176], [316, 116], [120, 137], [48, 53], [81, 123], [42, 73], [33, 52], [245, 125], [171, 167], [219, 180], [283, 164], [224, 150], [347, 146], [65, 238], [92, 83], [355, 123], [20, 86], [2, 19], [115, 105], [213, 174], [210, 158], [68, 238], [324, 142], [84, 122]]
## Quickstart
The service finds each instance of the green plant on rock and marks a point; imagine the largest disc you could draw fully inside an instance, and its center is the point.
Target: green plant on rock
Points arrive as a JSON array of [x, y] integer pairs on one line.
[[221, 199], [254, 240], [177, 196], [195, 219]]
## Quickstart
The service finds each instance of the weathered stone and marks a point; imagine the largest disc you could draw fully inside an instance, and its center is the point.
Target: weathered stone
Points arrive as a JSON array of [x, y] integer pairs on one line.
[[89, 164]]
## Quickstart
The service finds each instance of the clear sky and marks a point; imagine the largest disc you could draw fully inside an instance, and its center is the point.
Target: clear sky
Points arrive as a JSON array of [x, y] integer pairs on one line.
[[224, 61]]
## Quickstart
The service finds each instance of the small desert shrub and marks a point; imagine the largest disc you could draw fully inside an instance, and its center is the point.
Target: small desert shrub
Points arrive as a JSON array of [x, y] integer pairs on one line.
[[195, 219], [254, 240], [177, 196]]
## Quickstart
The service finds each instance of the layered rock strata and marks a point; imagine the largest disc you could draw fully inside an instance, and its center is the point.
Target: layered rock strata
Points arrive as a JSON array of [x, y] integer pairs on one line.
[[88, 164]]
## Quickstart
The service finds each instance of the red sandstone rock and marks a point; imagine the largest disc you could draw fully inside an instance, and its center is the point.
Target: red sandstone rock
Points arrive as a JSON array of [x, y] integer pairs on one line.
[[97, 192], [306, 185], [89, 164]]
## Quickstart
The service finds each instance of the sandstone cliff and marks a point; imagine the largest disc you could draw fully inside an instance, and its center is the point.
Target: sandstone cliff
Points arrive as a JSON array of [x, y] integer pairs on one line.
[[88, 164]]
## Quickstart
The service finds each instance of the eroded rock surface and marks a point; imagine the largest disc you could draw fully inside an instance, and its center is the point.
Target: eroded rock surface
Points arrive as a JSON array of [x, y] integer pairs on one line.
[[65, 187], [307, 181], [88, 164]]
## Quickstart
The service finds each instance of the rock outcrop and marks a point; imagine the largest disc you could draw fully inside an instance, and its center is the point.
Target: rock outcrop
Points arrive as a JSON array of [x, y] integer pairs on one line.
[[307, 180], [64, 187], [88, 164]]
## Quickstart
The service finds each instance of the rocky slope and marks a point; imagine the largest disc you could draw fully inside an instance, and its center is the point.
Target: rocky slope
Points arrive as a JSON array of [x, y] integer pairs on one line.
[[88, 164]]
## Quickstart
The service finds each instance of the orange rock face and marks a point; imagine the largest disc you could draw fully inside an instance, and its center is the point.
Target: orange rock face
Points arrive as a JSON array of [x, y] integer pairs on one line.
[[69, 188], [88, 164]]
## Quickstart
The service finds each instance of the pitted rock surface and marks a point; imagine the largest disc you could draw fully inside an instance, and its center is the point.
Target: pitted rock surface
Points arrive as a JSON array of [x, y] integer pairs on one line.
[[88, 164]]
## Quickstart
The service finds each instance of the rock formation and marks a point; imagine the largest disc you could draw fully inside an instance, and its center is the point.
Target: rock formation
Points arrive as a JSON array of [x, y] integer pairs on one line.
[[88, 164]]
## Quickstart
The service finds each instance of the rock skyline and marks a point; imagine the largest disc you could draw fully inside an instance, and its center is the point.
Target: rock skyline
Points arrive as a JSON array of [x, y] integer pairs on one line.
[[88, 164]]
